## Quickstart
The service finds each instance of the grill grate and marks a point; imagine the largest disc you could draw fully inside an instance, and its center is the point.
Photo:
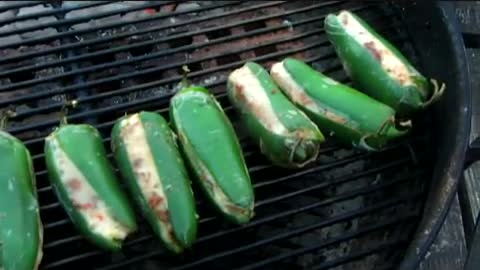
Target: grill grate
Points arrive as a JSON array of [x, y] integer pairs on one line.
[[350, 210]]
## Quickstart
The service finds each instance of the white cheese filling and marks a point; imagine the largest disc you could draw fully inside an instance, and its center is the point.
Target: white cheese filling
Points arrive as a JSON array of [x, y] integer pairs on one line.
[[148, 180], [249, 91], [297, 93], [291, 88], [85, 199], [391, 63]]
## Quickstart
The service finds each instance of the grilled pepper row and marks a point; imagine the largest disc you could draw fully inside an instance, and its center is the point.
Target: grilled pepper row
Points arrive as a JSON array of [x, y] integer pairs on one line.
[[86, 185], [347, 114], [283, 132], [377, 67], [21, 231], [211, 148], [148, 158]]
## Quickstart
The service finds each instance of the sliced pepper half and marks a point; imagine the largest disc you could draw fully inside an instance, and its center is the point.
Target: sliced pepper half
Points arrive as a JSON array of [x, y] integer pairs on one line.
[[86, 185], [377, 67], [21, 231], [213, 151], [147, 156], [338, 109]]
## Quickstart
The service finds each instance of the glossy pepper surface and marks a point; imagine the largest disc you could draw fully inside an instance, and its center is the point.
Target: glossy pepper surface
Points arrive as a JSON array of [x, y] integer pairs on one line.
[[338, 109], [21, 231], [282, 131], [147, 155], [86, 185], [377, 67], [213, 152]]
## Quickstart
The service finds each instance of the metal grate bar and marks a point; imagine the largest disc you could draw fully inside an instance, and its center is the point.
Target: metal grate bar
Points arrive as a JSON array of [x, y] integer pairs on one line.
[[20, 5], [51, 122], [336, 199], [66, 240], [64, 22], [137, 102], [334, 241], [108, 124], [60, 10], [328, 166], [356, 256], [98, 28], [56, 224], [339, 198], [95, 97], [173, 37], [300, 192], [257, 222], [159, 54], [85, 43], [339, 218], [295, 232], [161, 82], [322, 167], [165, 67], [116, 37]]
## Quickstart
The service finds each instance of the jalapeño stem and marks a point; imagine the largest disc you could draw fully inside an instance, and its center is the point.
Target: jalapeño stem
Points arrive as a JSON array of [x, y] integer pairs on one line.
[[64, 111], [186, 71], [4, 116]]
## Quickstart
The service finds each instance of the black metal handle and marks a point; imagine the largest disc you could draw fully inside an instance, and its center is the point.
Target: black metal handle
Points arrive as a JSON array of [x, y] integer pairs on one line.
[[473, 258], [473, 153]]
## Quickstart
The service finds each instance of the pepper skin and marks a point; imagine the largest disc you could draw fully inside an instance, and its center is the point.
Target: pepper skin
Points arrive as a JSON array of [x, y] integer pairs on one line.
[[21, 231], [86, 185], [377, 67], [211, 147], [347, 114], [282, 131], [148, 157]]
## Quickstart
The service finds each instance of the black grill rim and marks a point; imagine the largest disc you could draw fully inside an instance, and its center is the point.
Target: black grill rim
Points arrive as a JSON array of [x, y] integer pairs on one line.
[[453, 128]]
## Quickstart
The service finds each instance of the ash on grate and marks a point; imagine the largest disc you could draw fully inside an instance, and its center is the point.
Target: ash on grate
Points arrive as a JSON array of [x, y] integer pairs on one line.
[[35, 22], [135, 95], [22, 24], [19, 25], [38, 118], [39, 60], [19, 77], [47, 72], [132, 96], [131, 17], [6, 15], [313, 237], [36, 88], [318, 215], [93, 11]]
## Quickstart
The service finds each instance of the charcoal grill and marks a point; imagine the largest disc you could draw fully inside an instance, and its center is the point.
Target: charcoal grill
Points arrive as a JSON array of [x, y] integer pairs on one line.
[[349, 210]]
